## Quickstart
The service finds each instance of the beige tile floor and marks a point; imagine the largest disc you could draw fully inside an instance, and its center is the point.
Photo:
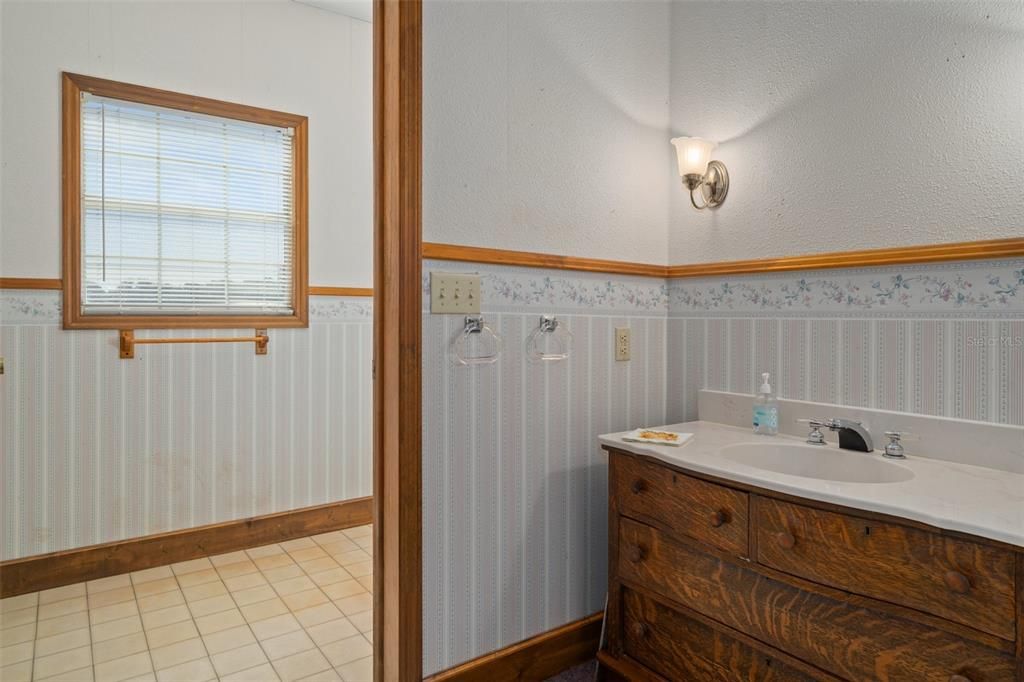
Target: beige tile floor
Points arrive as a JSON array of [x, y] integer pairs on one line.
[[299, 610]]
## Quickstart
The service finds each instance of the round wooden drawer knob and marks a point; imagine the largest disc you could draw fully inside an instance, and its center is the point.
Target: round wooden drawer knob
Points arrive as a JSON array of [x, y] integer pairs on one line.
[[641, 630], [638, 486], [637, 554], [787, 540], [959, 583], [718, 518], [958, 678]]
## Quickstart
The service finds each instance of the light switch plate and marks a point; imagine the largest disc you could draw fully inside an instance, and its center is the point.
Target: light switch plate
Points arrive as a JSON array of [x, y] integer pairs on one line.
[[457, 293], [622, 343]]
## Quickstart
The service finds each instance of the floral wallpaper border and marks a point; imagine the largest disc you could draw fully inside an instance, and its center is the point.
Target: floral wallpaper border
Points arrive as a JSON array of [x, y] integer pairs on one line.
[[980, 289], [18, 306], [505, 288]]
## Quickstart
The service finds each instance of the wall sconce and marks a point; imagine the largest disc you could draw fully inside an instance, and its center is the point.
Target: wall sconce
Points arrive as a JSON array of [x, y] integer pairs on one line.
[[697, 169]]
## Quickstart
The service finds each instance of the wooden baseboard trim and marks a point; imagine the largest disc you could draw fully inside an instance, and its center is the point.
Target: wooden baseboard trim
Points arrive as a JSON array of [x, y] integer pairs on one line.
[[903, 255], [43, 571], [537, 658]]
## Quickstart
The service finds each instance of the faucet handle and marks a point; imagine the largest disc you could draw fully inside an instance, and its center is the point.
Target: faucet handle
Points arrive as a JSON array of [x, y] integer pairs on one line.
[[815, 437], [894, 448]]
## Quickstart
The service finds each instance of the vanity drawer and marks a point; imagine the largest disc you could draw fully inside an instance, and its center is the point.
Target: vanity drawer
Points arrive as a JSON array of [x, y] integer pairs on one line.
[[841, 637], [961, 581], [679, 647], [705, 511]]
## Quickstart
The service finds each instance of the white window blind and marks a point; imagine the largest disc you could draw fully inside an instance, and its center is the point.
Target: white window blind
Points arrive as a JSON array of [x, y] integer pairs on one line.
[[184, 213]]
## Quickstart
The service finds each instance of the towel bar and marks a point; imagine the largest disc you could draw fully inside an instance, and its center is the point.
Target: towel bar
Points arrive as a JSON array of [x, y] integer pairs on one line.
[[128, 341]]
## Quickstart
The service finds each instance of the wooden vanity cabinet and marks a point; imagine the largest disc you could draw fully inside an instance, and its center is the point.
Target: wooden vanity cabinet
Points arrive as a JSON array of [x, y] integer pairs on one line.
[[715, 580]]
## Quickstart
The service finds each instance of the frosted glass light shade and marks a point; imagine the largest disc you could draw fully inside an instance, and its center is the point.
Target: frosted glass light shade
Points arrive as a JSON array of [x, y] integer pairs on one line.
[[693, 154]]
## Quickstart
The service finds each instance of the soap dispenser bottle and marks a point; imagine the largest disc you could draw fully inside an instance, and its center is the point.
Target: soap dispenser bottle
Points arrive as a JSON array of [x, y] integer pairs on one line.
[[766, 409]]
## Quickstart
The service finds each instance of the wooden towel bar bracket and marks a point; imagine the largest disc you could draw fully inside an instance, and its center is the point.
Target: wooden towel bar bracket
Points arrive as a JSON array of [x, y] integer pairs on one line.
[[128, 341]]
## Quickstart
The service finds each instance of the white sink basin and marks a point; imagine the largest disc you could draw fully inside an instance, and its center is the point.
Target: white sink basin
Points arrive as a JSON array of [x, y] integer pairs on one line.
[[813, 461]]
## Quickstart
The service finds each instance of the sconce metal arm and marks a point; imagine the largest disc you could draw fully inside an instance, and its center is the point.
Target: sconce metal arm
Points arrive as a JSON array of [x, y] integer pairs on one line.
[[693, 202]]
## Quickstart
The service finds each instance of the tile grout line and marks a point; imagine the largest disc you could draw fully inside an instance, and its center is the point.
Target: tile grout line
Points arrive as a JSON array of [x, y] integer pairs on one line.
[[247, 623], [35, 639], [88, 617], [142, 623], [343, 614], [192, 619], [290, 610], [329, 600]]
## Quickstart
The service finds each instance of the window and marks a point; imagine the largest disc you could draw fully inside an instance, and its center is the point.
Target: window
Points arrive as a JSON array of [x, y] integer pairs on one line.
[[181, 211]]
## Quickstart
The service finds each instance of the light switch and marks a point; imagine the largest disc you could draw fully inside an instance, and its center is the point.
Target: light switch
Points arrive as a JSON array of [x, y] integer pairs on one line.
[[456, 293], [622, 343]]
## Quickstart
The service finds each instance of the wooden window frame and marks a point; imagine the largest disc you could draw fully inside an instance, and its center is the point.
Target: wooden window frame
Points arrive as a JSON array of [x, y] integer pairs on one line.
[[73, 85]]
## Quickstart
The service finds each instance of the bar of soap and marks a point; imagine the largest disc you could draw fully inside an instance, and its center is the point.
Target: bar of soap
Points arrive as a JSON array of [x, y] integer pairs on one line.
[[657, 437]]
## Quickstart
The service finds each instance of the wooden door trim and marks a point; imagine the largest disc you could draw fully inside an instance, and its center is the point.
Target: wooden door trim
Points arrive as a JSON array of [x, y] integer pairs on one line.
[[397, 90]]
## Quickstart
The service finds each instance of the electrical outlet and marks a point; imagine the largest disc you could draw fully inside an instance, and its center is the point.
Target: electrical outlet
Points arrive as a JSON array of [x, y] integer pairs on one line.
[[622, 343], [454, 293]]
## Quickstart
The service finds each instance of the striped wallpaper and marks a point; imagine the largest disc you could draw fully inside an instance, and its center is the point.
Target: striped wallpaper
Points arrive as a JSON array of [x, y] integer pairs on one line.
[[514, 485], [95, 448], [969, 369], [944, 340]]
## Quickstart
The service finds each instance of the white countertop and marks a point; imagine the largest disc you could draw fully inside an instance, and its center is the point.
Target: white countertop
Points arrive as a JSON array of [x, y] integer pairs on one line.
[[972, 499]]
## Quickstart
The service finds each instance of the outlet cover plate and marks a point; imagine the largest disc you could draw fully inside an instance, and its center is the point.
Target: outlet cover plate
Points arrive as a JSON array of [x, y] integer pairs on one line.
[[622, 343], [454, 293]]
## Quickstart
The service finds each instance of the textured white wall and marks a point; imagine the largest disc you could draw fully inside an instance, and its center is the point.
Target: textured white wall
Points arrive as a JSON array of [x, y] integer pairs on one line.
[[850, 125], [545, 127], [276, 54]]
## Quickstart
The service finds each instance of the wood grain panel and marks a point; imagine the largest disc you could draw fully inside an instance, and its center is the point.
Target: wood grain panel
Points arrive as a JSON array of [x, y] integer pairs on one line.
[[477, 254], [397, 336], [901, 255], [845, 638], [44, 571], [685, 648], [1020, 616], [537, 658], [624, 670], [891, 562], [705, 511]]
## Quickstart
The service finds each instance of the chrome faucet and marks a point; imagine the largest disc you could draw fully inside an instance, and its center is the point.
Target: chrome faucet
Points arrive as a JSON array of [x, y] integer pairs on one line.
[[852, 435]]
